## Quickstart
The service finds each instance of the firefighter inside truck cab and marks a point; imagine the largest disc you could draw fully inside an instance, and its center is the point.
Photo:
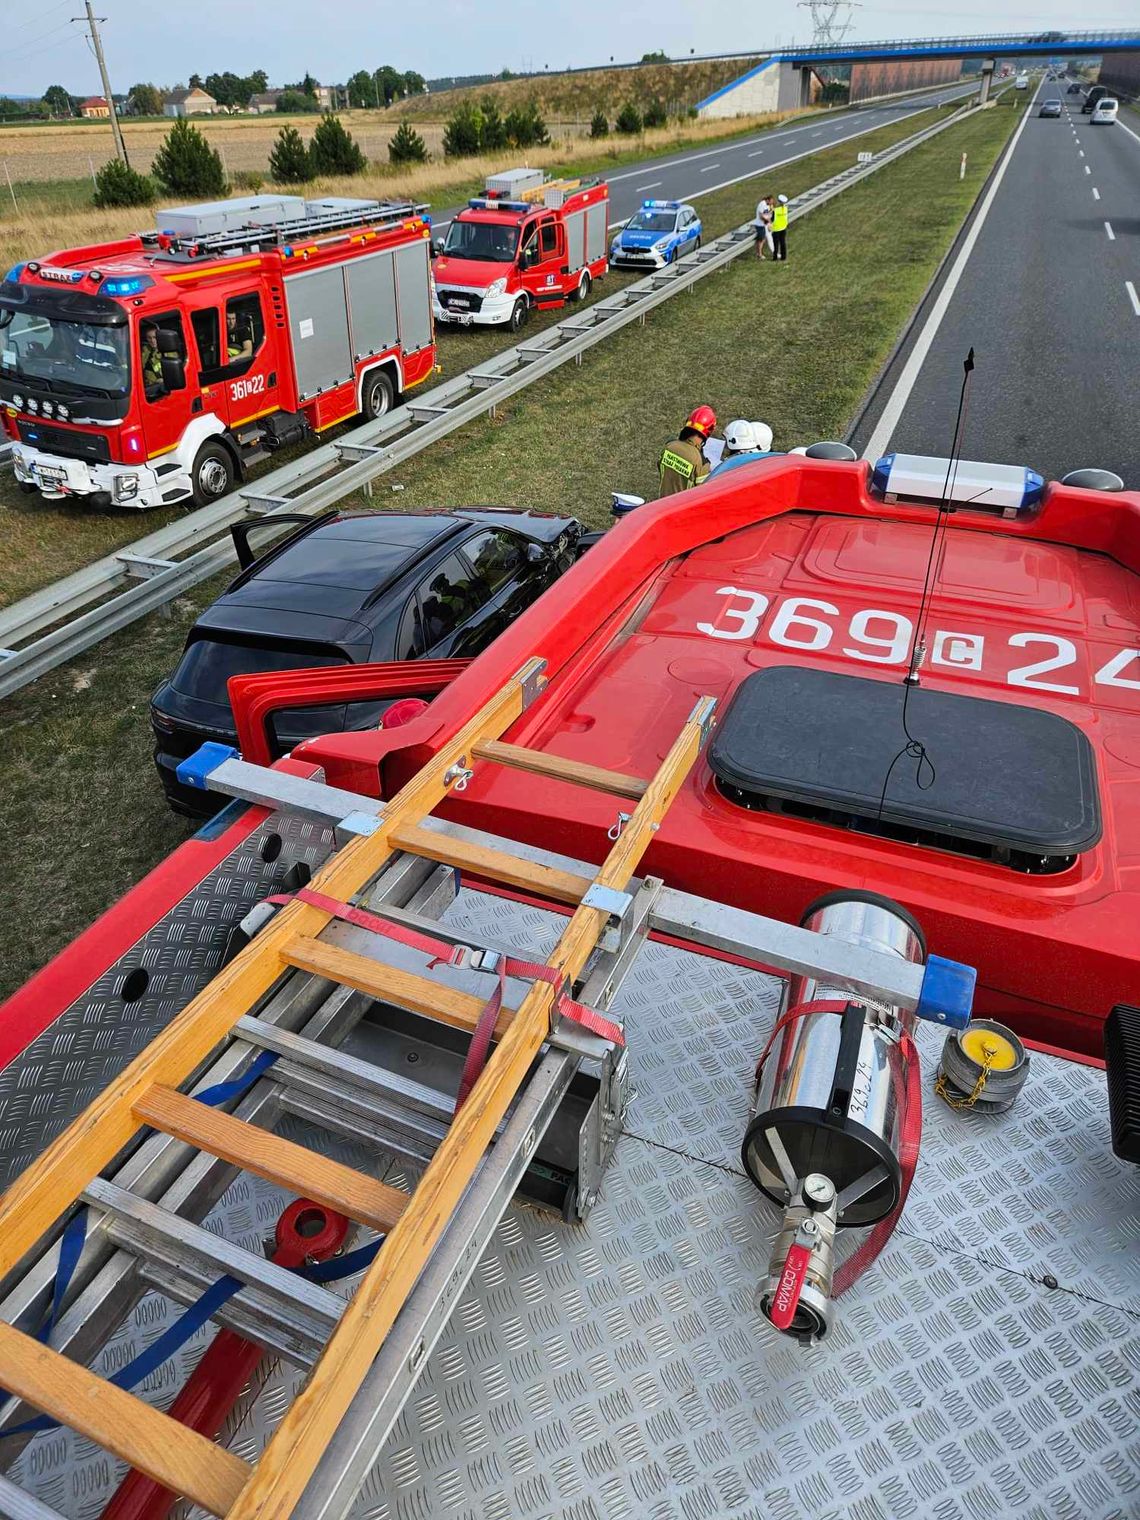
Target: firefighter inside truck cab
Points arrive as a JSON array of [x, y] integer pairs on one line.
[[239, 335], [151, 359]]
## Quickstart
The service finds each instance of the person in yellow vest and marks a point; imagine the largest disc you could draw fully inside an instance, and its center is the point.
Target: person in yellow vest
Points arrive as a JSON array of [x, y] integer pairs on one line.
[[682, 463], [780, 229]]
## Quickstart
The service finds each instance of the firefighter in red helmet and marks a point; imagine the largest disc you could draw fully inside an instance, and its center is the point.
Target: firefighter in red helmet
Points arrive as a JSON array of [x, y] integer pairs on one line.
[[682, 463]]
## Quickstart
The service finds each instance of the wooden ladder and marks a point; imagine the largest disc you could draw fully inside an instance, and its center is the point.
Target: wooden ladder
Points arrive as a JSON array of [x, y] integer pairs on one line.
[[146, 1094]]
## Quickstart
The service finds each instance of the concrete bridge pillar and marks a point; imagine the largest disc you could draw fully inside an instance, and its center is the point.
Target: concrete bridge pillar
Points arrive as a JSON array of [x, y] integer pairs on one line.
[[987, 80]]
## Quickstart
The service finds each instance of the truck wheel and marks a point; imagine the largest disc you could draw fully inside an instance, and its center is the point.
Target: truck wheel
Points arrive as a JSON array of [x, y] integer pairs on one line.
[[584, 285], [213, 473], [520, 313], [377, 396]]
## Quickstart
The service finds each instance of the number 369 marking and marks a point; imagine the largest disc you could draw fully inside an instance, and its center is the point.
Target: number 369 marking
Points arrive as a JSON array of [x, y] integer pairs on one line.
[[880, 637]]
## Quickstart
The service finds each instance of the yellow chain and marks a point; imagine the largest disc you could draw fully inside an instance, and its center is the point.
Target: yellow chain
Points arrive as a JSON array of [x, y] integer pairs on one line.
[[941, 1087]]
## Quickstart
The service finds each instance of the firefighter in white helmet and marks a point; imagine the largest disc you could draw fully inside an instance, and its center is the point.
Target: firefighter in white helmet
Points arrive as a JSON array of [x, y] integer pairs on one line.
[[744, 442]]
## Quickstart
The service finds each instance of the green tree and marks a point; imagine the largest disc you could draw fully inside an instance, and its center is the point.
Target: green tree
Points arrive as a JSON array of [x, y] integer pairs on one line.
[[293, 102], [526, 128], [195, 82], [407, 146], [463, 133], [391, 83], [655, 113], [334, 150], [259, 79], [493, 131], [186, 164], [363, 89], [414, 84], [145, 100], [628, 120], [58, 102], [658, 57], [599, 126], [289, 161], [116, 185]]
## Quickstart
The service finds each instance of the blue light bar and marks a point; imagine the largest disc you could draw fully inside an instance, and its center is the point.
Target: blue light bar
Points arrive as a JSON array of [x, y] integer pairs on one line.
[[661, 205], [127, 287], [1007, 490]]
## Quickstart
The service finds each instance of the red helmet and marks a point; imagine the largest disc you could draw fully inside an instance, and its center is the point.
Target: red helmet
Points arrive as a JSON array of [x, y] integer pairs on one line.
[[702, 420]]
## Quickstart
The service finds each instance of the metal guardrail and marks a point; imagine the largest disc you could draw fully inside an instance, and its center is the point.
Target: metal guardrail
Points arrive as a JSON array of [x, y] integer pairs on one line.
[[63, 620]]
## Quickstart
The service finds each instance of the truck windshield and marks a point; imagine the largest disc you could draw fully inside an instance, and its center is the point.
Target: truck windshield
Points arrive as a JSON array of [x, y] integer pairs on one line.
[[653, 221], [482, 240], [69, 357]]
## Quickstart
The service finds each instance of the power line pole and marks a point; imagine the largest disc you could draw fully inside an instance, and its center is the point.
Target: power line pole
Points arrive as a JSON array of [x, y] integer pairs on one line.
[[97, 45]]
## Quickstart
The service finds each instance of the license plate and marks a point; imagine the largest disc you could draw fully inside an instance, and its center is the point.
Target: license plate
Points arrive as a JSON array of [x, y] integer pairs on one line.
[[49, 476]]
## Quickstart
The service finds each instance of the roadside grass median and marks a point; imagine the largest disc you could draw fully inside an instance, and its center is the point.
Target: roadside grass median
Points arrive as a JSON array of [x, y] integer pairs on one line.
[[794, 345]]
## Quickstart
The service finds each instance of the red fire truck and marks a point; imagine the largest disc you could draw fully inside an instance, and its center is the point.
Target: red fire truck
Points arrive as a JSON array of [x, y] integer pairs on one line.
[[152, 369], [525, 244]]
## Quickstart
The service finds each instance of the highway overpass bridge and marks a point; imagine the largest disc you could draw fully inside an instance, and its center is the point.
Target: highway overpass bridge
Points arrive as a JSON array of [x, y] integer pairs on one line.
[[782, 80]]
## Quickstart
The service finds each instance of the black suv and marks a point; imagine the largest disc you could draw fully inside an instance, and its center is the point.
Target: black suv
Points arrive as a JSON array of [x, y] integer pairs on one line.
[[341, 590]]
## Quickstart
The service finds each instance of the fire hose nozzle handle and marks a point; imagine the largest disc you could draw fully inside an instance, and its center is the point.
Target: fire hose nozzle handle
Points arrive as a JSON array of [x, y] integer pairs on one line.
[[947, 995], [786, 1298]]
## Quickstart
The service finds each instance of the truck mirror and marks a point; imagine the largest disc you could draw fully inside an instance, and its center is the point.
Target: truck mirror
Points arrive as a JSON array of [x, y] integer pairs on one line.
[[173, 370], [436, 247], [535, 554]]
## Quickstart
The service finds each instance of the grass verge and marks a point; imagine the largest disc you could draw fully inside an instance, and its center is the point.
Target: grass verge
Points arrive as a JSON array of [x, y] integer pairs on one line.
[[46, 540], [795, 345]]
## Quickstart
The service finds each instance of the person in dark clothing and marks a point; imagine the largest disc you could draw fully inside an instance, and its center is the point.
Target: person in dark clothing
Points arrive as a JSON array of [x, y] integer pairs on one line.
[[682, 463]]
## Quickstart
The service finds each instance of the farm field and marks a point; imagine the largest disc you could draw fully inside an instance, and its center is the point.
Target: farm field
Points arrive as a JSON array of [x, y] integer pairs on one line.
[[796, 346]]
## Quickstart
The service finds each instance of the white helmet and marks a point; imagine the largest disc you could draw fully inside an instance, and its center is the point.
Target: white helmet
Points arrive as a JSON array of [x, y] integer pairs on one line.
[[763, 436], [740, 438]]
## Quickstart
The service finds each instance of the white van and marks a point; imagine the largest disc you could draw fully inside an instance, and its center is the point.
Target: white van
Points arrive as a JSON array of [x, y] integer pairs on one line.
[[1021, 82], [1104, 110]]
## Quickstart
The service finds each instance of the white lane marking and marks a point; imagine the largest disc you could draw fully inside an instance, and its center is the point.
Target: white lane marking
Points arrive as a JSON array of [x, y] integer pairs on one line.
[[817, 134], [1082, 153], [651, 186], [710, 168], [1132, 296], [1111, 234], [896, 402], [1087, 169], [1129, 130], [1096, 194]]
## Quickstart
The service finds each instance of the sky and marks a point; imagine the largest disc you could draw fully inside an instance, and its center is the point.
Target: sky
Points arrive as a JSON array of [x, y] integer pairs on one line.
[[145, 41]]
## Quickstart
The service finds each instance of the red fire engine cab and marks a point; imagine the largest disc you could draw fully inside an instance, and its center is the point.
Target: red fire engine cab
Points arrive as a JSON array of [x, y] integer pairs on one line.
[[525, 244], [152, 369]]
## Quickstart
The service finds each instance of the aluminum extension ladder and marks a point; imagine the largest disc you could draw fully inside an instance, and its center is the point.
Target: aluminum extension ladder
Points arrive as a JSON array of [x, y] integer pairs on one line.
[[249, 1008]]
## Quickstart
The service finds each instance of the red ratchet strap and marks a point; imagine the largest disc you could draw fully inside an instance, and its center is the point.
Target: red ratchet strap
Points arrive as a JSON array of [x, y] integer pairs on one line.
[[445, 954], [908, 1095]]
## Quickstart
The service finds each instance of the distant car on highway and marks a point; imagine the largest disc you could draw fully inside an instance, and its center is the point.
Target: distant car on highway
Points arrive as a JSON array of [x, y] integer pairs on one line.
[[1074, 89], [1021, 82], [658, 233], [1104, 112], [347, 589], [1088, 105], [1050, 108]]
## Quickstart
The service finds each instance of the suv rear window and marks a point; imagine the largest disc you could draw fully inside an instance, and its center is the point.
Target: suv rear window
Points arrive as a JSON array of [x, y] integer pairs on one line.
[[208, 664]]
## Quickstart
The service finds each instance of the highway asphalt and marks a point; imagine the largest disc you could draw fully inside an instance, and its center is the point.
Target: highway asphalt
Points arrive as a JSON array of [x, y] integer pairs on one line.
[[690, 175], [1049, 299]]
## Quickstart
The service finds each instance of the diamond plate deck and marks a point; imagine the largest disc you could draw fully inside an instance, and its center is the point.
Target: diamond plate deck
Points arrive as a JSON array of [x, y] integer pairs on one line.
[[618, 1370]]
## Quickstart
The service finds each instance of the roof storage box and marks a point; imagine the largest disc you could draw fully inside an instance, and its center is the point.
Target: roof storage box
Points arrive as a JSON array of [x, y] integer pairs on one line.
[[227, 216], [1005, 782], [514, 182]]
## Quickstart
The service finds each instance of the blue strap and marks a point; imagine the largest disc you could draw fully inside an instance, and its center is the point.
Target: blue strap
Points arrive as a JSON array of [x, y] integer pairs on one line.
[[237, 1087], [338, 1267], [70, 1250]]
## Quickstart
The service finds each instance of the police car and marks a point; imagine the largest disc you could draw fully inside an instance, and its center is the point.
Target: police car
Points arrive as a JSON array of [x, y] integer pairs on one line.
[[658, 233]]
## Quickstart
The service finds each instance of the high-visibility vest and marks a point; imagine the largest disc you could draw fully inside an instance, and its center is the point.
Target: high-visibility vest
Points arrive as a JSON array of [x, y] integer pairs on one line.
[[780, 218]]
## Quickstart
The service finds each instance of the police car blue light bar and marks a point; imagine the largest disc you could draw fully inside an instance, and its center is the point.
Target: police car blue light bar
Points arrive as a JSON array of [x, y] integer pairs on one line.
[[652, 205], [1008, 489]]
